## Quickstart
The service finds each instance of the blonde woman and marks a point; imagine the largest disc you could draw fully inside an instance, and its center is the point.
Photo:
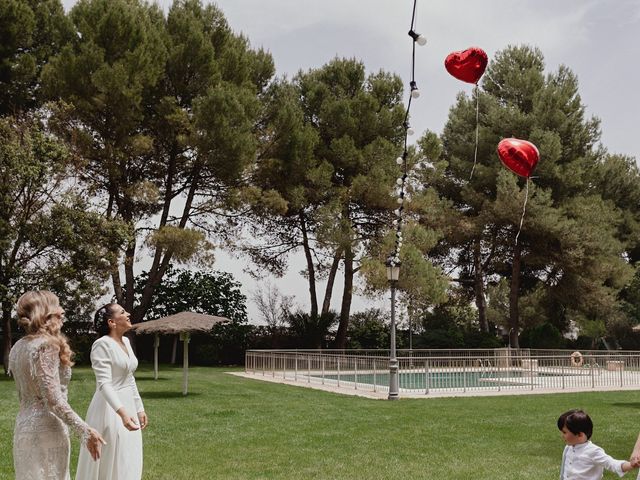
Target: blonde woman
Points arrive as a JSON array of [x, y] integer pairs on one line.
[[41, 364], [116, 409]]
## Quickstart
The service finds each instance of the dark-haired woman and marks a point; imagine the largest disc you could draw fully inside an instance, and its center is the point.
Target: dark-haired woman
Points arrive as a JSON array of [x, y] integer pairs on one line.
[[41, 364], [116, 409]]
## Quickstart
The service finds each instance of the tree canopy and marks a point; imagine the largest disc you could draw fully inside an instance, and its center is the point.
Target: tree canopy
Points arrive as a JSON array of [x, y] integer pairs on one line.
[[208, 292], [129, 134], [572, 258], [163, 111]]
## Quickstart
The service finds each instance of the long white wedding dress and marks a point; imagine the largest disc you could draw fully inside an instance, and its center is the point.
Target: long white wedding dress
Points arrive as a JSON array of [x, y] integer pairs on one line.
[[41, 435], [121, 457]]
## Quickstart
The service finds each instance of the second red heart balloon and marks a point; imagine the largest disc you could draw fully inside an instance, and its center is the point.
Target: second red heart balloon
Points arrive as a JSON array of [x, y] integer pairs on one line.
[[519, 156], [467, 65]]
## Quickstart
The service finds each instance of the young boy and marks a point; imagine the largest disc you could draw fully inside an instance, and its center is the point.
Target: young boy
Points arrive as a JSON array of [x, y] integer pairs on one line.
[[581, 459]]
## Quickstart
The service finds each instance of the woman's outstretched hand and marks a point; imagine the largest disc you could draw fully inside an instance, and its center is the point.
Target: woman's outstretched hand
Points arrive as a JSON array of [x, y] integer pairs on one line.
[[129, 422], [94, 443]]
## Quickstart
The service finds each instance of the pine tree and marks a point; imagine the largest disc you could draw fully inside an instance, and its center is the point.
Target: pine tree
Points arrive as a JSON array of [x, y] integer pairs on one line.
[[569, 255], [164, 112], [335, 135]]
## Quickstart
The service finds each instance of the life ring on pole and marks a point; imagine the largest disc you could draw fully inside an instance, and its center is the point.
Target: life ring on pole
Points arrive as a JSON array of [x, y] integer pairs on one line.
[[576, 359]]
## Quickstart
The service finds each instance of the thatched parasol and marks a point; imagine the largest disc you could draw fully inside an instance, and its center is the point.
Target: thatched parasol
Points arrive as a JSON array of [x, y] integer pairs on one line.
[[182, 323]]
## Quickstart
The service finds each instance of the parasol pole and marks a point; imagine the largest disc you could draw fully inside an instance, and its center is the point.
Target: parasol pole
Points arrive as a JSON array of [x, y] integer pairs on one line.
[[184, 336]]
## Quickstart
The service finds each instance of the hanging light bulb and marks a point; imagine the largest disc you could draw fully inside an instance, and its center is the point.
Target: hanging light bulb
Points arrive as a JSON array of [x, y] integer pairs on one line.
[[415, 93], [408, 129], [418, 38], [402, 182]]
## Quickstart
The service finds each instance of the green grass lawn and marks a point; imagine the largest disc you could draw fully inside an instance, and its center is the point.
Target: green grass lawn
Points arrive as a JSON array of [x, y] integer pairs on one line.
[[234, 428]]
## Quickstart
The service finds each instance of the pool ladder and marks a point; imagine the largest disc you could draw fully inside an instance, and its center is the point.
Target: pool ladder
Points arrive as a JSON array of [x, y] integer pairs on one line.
[[484, 365]]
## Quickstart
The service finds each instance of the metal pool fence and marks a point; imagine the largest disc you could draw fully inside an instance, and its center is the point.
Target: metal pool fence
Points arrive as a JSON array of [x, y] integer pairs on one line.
[[452, 371]]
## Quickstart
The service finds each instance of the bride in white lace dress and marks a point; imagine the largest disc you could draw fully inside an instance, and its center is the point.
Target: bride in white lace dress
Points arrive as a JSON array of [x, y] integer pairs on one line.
[[41, 363]]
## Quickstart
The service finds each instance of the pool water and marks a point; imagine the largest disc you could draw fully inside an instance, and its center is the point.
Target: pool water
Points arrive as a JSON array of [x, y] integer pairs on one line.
[[435, 380]]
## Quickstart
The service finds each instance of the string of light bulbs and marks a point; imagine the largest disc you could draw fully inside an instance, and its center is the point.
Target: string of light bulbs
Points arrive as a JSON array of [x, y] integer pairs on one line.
[[401, 182]]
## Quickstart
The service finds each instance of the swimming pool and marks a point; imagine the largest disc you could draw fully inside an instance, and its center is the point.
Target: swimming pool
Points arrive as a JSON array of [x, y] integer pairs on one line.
[[442, 380], [468, 374]]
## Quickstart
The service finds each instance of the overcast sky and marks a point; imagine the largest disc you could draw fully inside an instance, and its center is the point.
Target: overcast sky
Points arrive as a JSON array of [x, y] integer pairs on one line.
[[598, 39]]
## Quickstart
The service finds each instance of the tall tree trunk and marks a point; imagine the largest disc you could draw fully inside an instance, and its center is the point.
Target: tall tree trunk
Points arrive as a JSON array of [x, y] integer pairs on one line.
[[117, 284], [155, 277], [161, 262], [514, 313], [129, 285], [478, 286], [326, 304], [347, 295], [6, 335], [313, 296]]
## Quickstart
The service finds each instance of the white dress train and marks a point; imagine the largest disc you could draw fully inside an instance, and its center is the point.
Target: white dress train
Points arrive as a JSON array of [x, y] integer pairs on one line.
[[121, 457]]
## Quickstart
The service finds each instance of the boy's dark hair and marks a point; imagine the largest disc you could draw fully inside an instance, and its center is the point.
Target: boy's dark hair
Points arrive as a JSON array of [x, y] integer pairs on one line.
[[576, 421]]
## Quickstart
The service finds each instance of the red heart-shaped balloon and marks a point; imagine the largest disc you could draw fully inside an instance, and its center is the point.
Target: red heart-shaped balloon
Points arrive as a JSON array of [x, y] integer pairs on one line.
[[519, 156], [467, 65]]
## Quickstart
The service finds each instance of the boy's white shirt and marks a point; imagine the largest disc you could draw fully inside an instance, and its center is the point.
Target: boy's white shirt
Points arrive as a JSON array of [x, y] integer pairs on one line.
[[587, 461]]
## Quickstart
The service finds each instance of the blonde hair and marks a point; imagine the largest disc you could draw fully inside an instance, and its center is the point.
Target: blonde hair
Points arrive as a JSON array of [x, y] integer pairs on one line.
[[35, 309]]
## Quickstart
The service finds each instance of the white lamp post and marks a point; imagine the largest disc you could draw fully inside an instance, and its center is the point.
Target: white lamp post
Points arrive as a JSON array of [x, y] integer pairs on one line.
[[393, 273]]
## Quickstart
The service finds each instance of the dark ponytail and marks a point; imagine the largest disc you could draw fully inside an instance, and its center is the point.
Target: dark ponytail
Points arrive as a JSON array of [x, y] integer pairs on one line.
[[101, 319]]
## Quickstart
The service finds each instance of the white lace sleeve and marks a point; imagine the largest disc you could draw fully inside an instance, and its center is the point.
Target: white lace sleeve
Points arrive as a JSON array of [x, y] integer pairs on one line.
[[10, 364], [101, 364], [46, 368]]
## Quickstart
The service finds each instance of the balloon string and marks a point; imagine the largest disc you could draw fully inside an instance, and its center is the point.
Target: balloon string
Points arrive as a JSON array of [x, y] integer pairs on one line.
[[524, 209], [475, 153]]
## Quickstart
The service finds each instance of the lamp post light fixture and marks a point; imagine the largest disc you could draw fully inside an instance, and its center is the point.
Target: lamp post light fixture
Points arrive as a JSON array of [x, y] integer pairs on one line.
[[393, 273]]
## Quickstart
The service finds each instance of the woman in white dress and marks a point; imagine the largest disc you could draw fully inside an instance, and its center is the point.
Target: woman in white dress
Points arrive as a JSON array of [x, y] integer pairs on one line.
[[116, 409], [41, 363]]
